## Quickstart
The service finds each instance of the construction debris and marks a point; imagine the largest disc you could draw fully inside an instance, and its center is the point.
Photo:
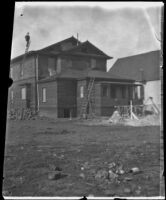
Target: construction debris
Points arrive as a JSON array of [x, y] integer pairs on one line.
[[115, 118], [21, 114], [82, 175], [135, 170]]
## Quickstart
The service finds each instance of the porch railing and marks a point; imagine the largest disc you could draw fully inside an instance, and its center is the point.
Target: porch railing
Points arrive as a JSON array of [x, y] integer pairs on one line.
[[138, 110]]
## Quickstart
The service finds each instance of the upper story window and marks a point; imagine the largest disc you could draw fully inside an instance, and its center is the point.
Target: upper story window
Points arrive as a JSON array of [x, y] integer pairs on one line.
[[43, 95], [23, 93], [51, 66], [93, 63], [58, 69], [104, 91], [82, 92]]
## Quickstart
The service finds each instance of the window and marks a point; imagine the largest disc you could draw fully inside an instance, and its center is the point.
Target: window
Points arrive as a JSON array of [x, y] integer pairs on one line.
[[81, 91], [23, 93], [113, 91], [139, 92], [43, 94], [51, 66], [93, 63], [58, 65], [104, 90]]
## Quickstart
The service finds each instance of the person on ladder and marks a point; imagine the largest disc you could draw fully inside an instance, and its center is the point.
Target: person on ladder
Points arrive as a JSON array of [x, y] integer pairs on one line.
[[27, 38]]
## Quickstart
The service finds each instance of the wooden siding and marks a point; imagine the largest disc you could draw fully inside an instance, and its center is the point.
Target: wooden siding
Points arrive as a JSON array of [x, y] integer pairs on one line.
[[30, 100], [48, 108], [28, 69]]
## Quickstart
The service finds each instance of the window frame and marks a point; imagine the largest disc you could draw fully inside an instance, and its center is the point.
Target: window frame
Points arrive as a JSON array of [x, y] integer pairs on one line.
[[44, 95], [102, 91], [93, 63], [23, 95], [81, 91]]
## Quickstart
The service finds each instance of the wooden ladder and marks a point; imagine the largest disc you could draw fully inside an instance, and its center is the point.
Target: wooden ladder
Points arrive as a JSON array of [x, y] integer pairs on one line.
[[87, 101]]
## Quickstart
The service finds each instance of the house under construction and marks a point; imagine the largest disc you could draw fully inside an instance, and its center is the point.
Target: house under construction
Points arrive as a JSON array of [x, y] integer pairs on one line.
[[69, 79]]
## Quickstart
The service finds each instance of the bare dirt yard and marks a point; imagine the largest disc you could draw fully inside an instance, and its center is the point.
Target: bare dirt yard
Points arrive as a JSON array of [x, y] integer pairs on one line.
[[44, 157]]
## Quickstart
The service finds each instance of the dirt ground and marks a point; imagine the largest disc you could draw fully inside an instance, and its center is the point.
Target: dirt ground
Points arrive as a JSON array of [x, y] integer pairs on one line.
[[35, 147]]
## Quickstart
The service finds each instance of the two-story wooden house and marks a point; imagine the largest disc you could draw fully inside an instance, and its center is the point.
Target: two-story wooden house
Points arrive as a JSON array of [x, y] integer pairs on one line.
[[54, 81]]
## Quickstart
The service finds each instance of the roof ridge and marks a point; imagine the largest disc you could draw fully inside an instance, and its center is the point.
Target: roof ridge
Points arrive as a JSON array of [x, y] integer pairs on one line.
[[35, 51], [57, 43], [138, 54]]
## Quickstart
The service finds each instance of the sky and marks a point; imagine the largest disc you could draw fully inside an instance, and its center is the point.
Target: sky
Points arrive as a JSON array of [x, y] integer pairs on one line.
[[118, 29]]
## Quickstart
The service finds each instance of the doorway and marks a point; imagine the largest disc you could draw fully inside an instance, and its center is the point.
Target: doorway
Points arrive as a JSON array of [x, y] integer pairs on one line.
[[66, 113]]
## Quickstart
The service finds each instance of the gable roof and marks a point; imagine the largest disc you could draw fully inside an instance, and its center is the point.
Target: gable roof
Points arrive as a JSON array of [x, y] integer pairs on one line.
[[144, 66], [86, 48], [79, 74], [56, 46], [55, 49]]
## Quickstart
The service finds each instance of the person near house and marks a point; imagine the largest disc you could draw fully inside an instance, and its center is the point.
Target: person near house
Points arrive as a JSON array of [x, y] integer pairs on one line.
[[27, 38]]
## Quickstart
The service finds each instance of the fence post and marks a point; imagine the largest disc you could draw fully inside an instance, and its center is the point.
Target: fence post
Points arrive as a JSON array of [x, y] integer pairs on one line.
[[131, 108]]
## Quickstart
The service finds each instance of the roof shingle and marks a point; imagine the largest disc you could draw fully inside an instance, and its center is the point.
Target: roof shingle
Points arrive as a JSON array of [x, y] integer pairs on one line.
[[143, 66]]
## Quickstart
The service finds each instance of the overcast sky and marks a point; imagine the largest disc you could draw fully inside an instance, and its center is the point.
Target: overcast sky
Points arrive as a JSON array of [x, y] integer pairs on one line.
[[118, 29]]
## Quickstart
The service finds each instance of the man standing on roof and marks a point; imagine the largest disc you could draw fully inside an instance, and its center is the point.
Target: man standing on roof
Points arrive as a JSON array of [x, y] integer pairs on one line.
[[27, 38]]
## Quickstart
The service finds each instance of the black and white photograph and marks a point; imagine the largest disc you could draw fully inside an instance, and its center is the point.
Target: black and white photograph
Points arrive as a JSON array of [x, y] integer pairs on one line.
[[84, 111]]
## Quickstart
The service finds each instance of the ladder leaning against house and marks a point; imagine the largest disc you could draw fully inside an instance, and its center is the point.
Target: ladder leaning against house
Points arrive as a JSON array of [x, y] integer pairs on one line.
[[88, 101]]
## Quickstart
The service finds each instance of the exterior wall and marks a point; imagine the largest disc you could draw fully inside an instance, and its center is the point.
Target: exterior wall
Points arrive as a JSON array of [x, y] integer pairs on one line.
[[105, 105], [44, 66], [108, 103], [23, 74], [48, 108], [79, 99], [28, 68], [153, 89], [80, 63], [101, 65], [66, 97], [97, 99], [60, 95], [17, 102]]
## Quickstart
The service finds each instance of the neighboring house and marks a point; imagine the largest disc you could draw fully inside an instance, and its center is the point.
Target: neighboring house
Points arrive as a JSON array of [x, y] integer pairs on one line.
[[144, 68], [54, 81]]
